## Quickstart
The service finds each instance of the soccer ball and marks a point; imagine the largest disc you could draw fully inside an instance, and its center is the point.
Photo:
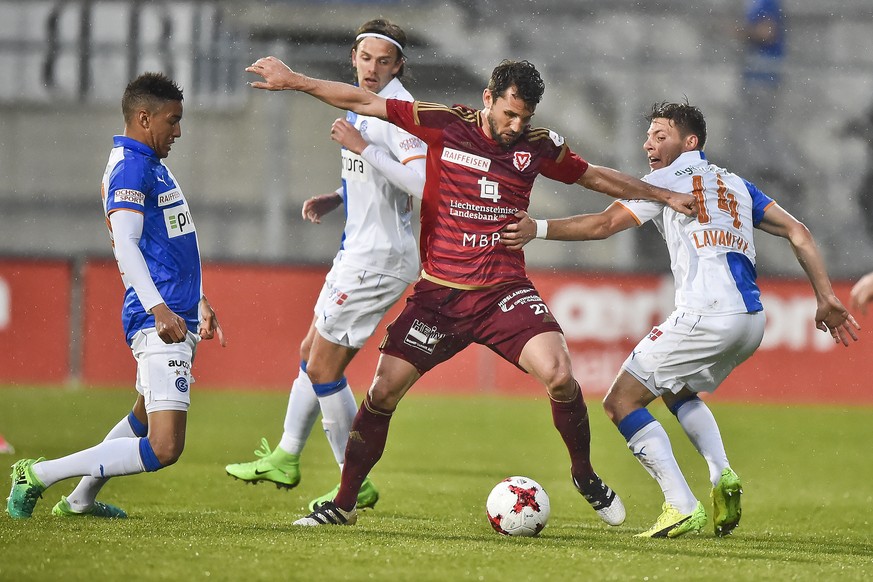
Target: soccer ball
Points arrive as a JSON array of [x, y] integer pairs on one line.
[[518, 506]]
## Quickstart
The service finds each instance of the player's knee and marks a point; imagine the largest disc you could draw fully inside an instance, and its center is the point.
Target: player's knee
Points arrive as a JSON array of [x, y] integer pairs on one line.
[[384, 398], [159, 453]]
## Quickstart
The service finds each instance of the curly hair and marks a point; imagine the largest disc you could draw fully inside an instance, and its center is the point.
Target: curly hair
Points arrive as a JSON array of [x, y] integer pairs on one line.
[[687, 118], [521, 74], [149, 91]]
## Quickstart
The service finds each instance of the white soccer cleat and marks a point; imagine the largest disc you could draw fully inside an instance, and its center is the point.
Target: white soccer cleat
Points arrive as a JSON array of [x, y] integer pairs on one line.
[[605, 502]]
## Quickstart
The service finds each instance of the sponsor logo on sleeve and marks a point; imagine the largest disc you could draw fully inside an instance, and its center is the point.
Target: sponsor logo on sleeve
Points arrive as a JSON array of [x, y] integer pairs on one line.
[[169, 197], [466, 159], [556, 139], [129, 196], [411, 143]]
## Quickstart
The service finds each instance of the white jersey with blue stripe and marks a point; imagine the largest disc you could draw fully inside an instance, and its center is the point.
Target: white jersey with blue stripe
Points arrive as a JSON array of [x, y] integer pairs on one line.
[[378, 234], [137, 180], [713, 255]]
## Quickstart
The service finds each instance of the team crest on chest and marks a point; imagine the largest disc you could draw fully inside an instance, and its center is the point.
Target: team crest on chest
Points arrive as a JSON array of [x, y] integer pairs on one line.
[[521, 160]]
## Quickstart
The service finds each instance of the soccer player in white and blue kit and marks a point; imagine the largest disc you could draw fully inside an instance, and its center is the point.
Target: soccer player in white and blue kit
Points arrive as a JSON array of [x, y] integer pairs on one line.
[[383, 167], [719, 320], [164, 315]]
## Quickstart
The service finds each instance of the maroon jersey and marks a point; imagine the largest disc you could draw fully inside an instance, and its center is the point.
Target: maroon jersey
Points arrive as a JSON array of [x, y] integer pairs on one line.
[[474, 187]]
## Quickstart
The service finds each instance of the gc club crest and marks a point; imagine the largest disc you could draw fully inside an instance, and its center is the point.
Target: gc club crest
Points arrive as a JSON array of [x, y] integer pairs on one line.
[[521, 160]]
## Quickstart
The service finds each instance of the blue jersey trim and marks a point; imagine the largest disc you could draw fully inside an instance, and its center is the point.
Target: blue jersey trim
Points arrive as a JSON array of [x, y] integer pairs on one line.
[[745, 275], [760, 202]]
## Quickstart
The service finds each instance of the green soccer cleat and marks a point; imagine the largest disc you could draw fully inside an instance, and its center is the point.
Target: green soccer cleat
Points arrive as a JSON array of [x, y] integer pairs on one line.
[[63, 509], [275, 466], [26, 489], [672, 524], [367, 496], [726, 509]]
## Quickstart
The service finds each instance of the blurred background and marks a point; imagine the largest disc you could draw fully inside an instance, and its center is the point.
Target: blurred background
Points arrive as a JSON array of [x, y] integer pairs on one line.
[[788, 100], [248, 159]]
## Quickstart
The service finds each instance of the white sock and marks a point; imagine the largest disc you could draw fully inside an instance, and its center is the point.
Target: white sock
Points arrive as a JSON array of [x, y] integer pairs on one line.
[[338, 410], [301, 415], [700, 426], [651, 446], [108, 459], [83, 496]]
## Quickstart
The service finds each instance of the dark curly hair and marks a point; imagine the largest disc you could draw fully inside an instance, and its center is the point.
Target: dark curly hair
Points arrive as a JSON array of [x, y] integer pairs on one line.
[[687, 118], [149, 91], [387, 28], [521, 74]]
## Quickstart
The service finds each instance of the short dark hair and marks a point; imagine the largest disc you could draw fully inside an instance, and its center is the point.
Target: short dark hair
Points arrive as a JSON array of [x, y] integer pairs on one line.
[[521, 74], [687, 118], [150, 91], [387, 28]]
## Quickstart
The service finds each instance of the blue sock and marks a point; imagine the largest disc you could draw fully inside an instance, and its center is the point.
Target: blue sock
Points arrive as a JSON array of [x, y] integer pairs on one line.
[[139, 429], [147, 454], [633, 422], [677, 405], [329, 388]]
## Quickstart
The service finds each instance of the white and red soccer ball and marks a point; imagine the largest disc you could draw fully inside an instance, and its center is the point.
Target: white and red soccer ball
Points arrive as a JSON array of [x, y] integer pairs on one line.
[[518, 506]]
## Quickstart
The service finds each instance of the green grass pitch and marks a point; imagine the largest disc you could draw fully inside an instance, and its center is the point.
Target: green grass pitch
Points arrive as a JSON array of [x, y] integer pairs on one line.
[[808, 503]]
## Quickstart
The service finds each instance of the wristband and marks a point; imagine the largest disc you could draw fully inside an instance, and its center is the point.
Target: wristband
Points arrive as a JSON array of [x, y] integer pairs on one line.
[[542, 228]]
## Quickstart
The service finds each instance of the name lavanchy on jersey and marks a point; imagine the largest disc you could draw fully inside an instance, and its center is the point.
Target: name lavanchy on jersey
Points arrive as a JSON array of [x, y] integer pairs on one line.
[[474, 187], [713, 255], [137, 180]]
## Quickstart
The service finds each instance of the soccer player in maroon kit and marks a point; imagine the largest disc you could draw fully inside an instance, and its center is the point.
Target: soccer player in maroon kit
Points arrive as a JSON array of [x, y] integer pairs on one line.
[[481, 165]]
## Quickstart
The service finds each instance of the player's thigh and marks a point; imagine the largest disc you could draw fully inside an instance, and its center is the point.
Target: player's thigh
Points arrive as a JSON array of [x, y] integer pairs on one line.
[[353, 302], [164, 371], [516, 314], [694, 351], [433, 326]]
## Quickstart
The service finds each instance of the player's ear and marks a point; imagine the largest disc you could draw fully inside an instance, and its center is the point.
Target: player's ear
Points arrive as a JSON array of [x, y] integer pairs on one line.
[[487, 98], [143, 118], [691, 142]]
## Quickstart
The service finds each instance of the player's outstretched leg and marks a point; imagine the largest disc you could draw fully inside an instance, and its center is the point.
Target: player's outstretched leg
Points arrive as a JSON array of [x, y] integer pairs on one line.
[[98, 509], [367, 496], [672, 523], [26, 489], [275, 466], [726, 506]]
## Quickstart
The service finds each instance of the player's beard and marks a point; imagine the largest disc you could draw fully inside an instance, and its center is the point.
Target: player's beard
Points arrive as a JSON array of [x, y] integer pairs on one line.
[[498, 137]]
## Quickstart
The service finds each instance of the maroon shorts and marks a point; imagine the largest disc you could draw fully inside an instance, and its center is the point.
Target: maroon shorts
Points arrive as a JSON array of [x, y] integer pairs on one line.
[[439, 321]]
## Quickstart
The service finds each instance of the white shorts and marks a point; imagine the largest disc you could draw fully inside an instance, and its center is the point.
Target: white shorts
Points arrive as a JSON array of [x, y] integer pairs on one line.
[[697, 351], [352, 302], [163, 371]]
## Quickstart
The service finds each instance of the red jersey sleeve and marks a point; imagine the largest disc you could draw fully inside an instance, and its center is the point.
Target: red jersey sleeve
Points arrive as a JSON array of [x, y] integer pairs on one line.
[[566, 167], [408, 115]]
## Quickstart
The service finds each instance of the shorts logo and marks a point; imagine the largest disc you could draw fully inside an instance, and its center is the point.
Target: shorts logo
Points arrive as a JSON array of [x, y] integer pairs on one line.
[[423, 337], [521, 160], [655, 333], [182, 384], [337, 296], [131, 196]]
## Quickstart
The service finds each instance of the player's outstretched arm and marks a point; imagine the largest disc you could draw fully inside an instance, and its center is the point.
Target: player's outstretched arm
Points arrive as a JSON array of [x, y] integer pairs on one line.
[[209, 326], [862, 293], [580, 227], [830, 314], [618, 185], [279, 77]]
